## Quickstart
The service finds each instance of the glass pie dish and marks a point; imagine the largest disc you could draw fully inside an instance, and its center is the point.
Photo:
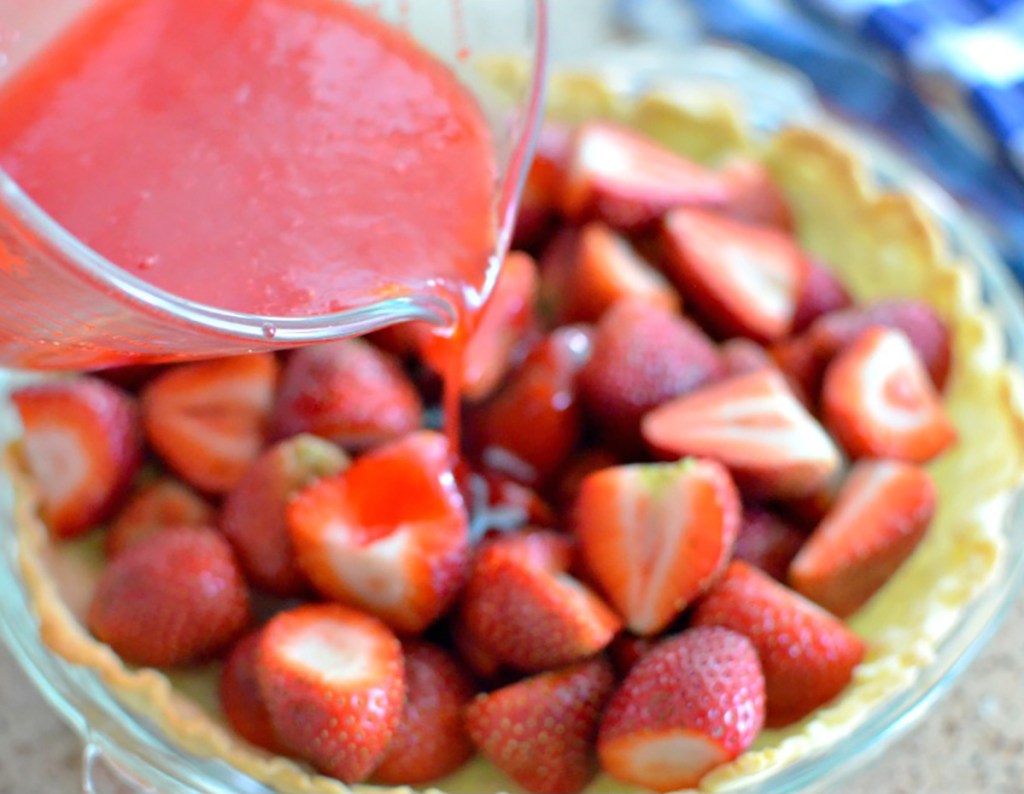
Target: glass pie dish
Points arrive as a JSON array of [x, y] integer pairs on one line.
[[923, 629]]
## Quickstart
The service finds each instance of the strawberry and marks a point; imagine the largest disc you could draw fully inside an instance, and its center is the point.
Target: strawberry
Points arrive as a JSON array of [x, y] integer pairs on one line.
[[208, 420], [753, 197], [348, 392], [82, 446], [430, 740], [254, 517], [541, 396], [628, 649], [473, 651], [605, 268], [643, 356], [742, 357], [241, 699], [693, 702], [175, 598], [541, 731], [543, 185], [628, 181], [656, 536], [807, 655], [334, 683], [805, 357], [807, 512], [162, 503], [743, 280], [522, 606], [880, 515], [767, 542], [822, 293], [878, 401], [402, 559], [756, 427]]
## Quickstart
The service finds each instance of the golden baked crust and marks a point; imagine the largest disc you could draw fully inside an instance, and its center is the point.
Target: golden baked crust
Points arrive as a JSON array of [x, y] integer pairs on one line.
[[882, 244]]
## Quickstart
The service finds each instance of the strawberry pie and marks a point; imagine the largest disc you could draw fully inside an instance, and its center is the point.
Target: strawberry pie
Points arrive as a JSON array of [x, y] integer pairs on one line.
[[737, 437]]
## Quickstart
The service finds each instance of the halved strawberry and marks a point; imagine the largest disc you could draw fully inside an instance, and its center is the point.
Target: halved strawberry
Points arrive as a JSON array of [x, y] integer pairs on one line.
[[541, 396], [431, 739], [878, 401], [523, 607], [208, 420], [241, 699], [348, 392], [767, 542], [643, 356], [743, 356], [805, 357], [808, 656], [693, 702], [254, 517], [389, 535], [541, 731], [881, 514], [756, 427], [606, 268], [752, 195], [822, 294], [744, 280], [162, 503], [334, 684], [656, 536], [173, 599], [83, 446], [625, 179]]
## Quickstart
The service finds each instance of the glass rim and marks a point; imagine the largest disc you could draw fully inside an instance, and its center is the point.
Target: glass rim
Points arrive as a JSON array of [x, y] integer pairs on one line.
[[91, 267]]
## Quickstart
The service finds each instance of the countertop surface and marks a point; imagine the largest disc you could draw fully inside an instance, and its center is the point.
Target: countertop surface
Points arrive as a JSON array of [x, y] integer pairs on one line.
[[972, 742]]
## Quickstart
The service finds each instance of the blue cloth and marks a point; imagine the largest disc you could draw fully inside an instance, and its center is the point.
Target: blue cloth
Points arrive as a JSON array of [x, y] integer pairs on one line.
[[928, 74]]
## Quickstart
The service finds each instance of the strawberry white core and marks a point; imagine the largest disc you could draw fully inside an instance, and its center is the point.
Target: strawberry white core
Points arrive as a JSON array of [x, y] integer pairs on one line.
[[333, 652], [58, 450], [374, 572], [893, 359], [664, 761]]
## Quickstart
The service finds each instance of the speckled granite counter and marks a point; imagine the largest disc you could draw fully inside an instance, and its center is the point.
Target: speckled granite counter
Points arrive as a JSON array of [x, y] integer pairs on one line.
[[972, 743]]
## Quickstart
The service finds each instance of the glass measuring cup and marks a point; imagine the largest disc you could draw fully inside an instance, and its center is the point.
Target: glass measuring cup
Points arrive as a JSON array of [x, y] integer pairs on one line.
[[62, 305]]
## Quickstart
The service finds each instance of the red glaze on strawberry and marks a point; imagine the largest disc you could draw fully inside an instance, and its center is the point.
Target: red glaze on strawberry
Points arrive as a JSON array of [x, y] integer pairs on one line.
[[208, 420], [767, 542], [532, 425], [605, 269], [744, 280], [348, 392], [693, 702], [643, 357], [878, 401], [628, 181], [334, 683], [656, 536], [241, 699], [165, 502], [756, 427], [880, 516], [541, 731], [254, 516], [82, 446], [431, 740], [822, 293], [402, 559], [522, 607], [171, 600], [753, 197], [808, 656]]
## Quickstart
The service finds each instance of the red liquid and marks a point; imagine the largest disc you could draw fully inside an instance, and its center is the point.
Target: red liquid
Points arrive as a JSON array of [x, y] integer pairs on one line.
[[281, 157]]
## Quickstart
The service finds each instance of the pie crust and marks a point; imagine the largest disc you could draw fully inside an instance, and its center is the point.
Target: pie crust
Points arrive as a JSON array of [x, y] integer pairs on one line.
[[883, 245]]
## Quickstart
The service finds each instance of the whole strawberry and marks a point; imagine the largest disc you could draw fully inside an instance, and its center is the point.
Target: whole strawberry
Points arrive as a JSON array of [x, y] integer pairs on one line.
[[334, 683], [431, 739], [541, 731], [693, 702], [173, 599], [165, 502]]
